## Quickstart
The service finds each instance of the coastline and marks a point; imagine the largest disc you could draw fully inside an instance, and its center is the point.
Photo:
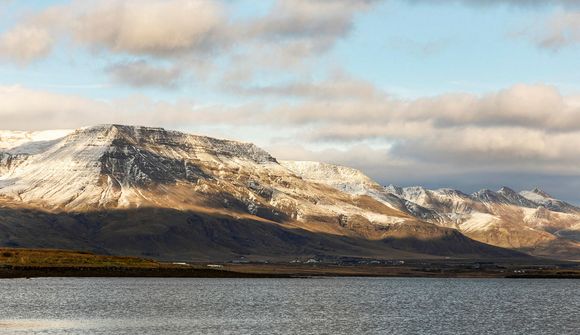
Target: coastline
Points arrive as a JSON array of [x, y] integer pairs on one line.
[[34, 263], [279, 271]]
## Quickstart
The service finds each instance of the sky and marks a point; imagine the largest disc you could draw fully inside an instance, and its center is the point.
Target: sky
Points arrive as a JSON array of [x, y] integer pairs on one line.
[[467, 94]]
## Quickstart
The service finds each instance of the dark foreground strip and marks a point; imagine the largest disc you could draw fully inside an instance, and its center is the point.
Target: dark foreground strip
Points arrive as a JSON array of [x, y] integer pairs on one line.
[[32, 272]]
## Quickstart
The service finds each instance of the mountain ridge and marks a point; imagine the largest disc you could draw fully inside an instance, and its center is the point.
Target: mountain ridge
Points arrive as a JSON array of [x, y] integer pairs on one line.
[[189, 180], [547, 227]]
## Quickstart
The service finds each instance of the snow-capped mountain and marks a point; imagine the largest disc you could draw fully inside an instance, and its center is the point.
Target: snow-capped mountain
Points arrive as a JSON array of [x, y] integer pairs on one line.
[[539, 197], [532, 221], [137, 190], [354, 182]]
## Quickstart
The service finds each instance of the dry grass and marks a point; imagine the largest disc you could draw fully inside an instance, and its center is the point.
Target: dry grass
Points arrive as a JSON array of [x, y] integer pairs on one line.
[[62, 258]]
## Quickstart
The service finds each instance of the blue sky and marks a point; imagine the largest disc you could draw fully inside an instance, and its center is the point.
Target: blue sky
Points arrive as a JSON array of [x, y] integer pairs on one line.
[[465, 94]]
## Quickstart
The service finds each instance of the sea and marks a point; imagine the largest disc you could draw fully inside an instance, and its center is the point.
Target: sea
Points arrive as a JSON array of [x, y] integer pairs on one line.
[[289, 306]]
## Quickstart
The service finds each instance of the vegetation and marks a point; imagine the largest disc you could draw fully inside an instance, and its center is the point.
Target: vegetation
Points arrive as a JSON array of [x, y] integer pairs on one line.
[[63, 258]]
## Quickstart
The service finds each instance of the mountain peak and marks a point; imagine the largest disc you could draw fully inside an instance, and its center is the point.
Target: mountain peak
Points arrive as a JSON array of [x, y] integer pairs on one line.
[[515, 198], [506, 190], [394, 189], [542, 193], [487, 195], [484, 191], [346, 179], [451, 192], [106, 164]]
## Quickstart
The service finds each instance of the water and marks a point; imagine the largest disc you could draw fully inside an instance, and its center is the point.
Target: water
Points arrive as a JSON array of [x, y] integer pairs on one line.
[[289, 306]]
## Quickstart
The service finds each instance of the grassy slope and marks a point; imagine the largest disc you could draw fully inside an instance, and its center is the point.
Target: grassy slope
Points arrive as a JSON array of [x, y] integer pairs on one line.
[[28, 263], [64, 258]]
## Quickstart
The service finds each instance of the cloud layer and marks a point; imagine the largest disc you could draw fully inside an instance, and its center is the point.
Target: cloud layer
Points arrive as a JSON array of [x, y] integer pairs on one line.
[[521, 124], [184, 32], [453, 138]]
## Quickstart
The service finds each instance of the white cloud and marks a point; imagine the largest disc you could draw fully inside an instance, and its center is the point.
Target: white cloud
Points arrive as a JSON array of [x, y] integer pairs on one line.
[[146, 27], [188, 32], [24, 108]]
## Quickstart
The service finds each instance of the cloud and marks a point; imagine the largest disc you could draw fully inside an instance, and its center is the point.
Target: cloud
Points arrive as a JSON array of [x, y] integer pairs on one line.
[[347, 100], [443, 139], [305, 19], [338, 86], [143, 74], [24, 44], [522, 123], [518, 3], [24, 108], [147, 27], [561, 30], [558, 31], [186, 33], [526, 123]]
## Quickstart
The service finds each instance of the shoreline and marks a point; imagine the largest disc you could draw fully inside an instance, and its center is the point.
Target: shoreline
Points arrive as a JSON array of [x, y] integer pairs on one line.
[[35, 263], [277, 271]]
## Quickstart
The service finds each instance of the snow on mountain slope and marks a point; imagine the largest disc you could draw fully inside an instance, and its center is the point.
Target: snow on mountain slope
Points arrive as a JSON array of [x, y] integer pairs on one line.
[[354, 182], [343, 178], [449, 205], [227, 195], [504, 218], [113, 166], [29, 142], [514, 198], [108, 166], [541, 198]]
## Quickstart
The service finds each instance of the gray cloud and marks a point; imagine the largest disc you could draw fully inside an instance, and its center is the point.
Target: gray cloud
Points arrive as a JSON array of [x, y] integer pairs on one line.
[[387, 168], [305, 19], [525, 125], [561, 30], [383, 135], [143, 74], [24, 44], [347, 100], [338, 86]]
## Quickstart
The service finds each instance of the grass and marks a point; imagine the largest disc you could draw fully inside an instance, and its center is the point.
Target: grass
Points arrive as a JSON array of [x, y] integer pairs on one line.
[[19, 263], [63, 258]]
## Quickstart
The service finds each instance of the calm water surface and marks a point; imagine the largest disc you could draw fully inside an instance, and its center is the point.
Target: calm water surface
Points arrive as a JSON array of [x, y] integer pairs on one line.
[[289, 306]]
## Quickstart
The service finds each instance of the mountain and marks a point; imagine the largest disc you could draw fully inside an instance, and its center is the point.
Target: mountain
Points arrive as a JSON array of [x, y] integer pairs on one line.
[[541, 198], [530, 221], [165, 194]]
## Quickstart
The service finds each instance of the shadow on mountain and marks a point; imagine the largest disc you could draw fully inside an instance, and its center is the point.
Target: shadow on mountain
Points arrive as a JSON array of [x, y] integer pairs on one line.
[[557, 249], [168, 234]]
